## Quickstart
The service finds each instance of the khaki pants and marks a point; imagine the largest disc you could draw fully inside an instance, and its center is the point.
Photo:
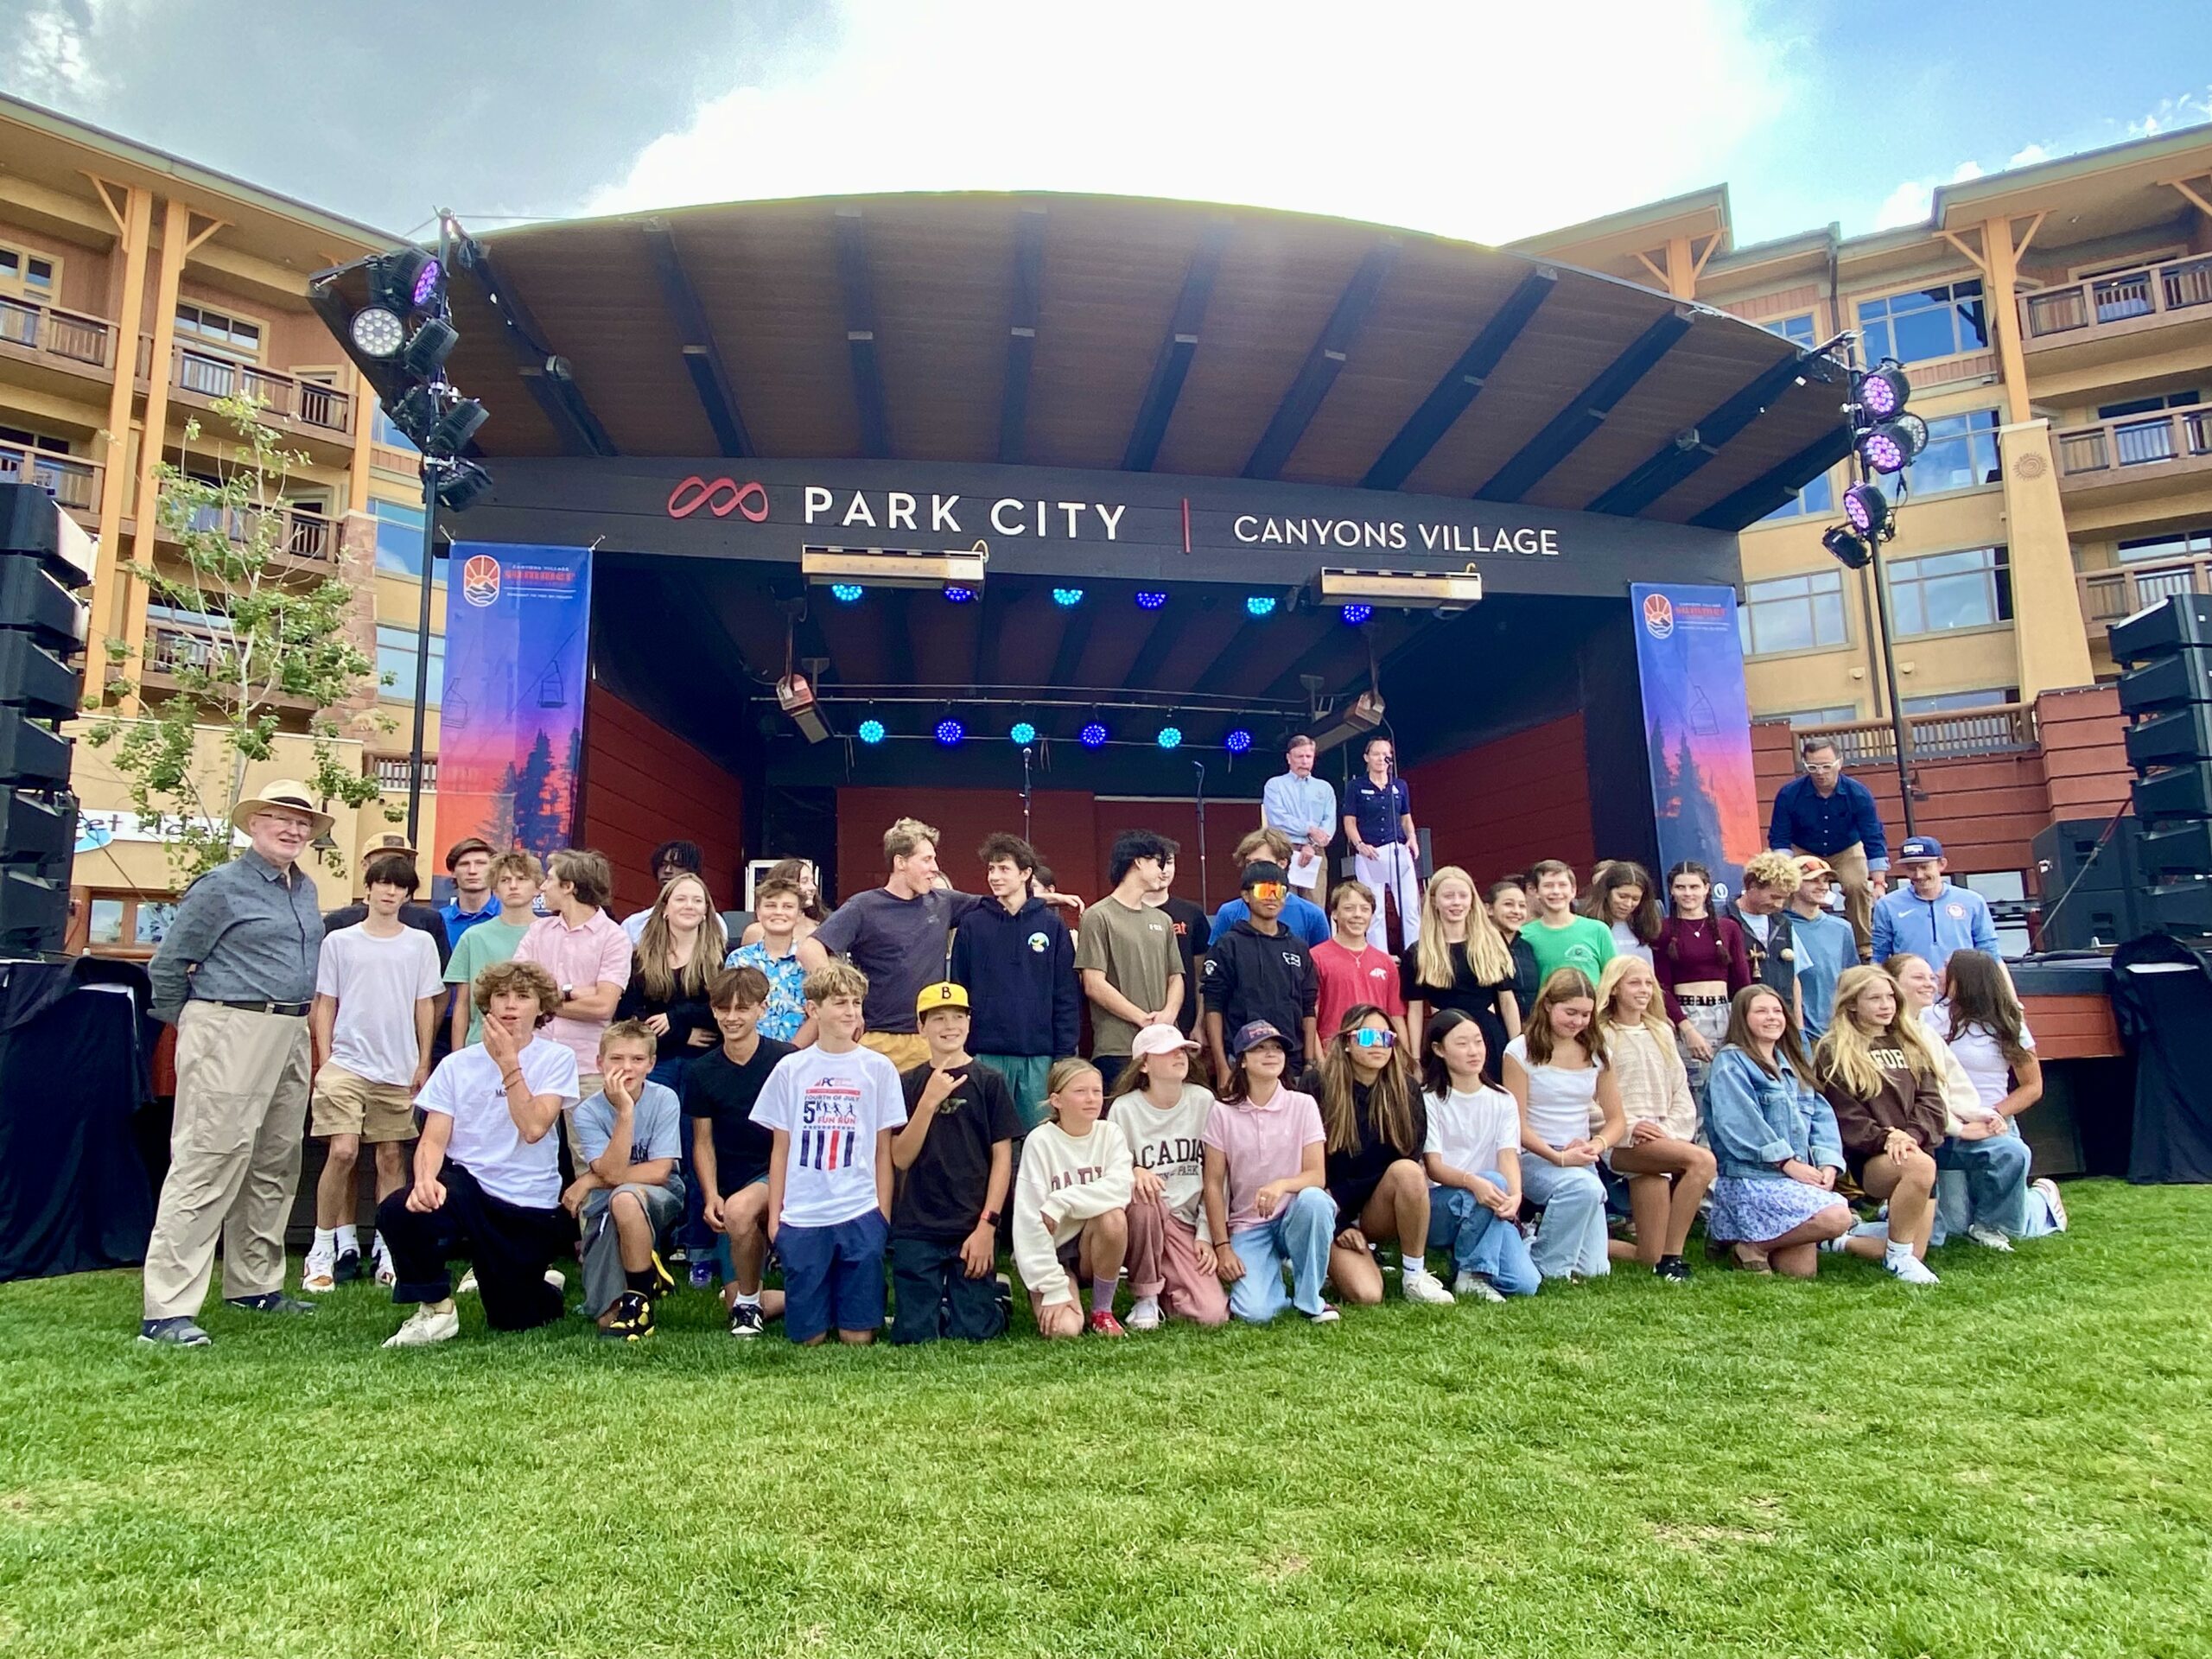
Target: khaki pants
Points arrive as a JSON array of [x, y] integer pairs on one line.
[[904, 1049], [1851, 875], [234, 1156]]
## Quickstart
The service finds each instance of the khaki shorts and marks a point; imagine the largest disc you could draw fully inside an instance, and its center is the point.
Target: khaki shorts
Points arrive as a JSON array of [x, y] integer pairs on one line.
[[346, 1104], [904, 1049]]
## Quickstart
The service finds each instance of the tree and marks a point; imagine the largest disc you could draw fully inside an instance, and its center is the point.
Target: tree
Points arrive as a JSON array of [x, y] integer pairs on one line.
[[263, 637], [538, 823]]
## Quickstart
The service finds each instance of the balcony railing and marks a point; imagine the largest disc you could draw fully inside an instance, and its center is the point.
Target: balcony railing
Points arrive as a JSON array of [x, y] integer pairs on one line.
[[74, 484], [2108, 596], [2109, 448], [392, 770], [282, 397], [306, 535], [1939, 736], [169, 647], [2085, 308], [68, 336]]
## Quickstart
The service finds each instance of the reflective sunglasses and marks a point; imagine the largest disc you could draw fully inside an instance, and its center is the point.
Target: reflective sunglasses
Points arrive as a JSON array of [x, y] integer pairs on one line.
[[1268, 889], [1368, 1037]]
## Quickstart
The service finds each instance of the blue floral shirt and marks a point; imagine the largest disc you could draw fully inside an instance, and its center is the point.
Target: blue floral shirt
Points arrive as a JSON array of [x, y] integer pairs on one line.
[[786, 1009]]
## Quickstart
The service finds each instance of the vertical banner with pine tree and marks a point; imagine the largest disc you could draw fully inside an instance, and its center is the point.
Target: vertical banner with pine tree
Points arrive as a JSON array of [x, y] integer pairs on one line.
[[511, 731], [1697, 723]]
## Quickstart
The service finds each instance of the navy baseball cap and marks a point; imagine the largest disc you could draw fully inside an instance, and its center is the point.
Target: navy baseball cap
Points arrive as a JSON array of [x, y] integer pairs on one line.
[[1918, 847], [1252, 1033]]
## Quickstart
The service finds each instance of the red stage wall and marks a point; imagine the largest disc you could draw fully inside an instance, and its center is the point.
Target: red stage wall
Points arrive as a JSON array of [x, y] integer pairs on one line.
[[1495, 809], [644, 785]]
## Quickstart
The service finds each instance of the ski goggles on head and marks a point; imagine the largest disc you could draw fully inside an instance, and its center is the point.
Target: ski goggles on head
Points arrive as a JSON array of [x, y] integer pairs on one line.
[[1268, 890], [1368, 1037]]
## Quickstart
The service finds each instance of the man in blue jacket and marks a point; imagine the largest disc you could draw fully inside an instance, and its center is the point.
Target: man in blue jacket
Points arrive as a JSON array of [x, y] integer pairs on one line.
[[1930, 918], [1016, 959], [1833, 818]]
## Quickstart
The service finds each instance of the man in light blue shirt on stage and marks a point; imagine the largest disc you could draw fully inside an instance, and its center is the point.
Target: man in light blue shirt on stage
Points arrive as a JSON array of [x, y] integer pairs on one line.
[[1303, 808], [1931, 916]]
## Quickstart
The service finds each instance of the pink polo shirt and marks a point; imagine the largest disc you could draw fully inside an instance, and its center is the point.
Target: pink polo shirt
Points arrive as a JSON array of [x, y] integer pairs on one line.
[[1261, 1144], [580, 957]]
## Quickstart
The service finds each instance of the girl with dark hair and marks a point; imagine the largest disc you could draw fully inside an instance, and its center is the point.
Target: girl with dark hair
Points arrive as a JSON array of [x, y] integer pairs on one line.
[[1265, 1170], [1377, 1127], [1508, 904], [1987, 1033], [1621, 896], [1702, 961], [1473, 1157], [1774, 1138], [1558, 1071]]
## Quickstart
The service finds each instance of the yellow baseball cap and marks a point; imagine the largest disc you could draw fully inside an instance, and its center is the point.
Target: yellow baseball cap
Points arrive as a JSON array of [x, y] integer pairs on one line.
[[943, 995]]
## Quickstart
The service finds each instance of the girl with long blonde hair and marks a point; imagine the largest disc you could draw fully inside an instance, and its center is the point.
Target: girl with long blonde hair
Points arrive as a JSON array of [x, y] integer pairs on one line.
[[1668, 1172], [1880, 1073], [678, 954], [1461, 961]]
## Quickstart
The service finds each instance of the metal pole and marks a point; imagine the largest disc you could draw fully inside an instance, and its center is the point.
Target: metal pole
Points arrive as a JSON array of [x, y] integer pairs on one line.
[[1027, 834], [1203, 900], [430, 469], [1900, 727]]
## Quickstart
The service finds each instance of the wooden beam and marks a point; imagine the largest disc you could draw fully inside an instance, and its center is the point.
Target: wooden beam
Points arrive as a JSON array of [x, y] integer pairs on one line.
[[1573, 425], [1323, 363], [702, 357], [1170, 368], [545, 375], [2189, 191], [1774, 487], [859, 290], [1676, 459], [1978, 261], [1461, 384], [1168, 627], [1074, 639], [1028, 288]]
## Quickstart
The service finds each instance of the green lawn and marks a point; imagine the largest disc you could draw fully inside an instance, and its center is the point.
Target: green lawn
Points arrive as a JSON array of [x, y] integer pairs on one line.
[[2018, 1462]]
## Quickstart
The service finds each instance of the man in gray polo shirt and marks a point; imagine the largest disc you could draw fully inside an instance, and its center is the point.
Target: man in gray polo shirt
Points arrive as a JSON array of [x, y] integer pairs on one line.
[[236, 974]]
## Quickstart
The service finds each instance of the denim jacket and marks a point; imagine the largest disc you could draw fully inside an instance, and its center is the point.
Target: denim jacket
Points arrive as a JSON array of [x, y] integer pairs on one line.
[[1756, 1123]]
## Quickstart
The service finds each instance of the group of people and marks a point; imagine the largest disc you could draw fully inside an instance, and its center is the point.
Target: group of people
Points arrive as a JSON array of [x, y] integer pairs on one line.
[[1271, 1110]]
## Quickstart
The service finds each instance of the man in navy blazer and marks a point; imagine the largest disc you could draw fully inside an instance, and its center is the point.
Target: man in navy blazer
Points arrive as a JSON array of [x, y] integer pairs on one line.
[[1833, 818]]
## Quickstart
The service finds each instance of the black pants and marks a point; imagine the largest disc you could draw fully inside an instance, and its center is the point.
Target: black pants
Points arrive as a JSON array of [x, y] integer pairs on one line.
[[510, 1245], [936, 1297]]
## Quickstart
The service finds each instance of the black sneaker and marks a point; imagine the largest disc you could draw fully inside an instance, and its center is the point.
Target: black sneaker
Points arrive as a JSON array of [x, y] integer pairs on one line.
[[1673, 1269], [663, 1280], [176, 1331], [745, 1319], [347, 1268], [273, 1301], [633, 1321]]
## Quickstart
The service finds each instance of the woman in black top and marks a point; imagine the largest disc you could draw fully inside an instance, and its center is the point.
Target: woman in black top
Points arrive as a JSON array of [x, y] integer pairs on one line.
[[1460, 961], [1376, 1126], [677, 956]]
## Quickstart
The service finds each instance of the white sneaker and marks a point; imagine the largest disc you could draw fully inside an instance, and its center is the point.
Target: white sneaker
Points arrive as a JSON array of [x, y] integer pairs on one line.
[[1989, 1238], [386, 1275], [468, 1285], [2047, 1189], [1474, 1284], [1425, 1287], [318, 1274], [425, 1327], [1144, 1315], [1910, 1268], [553, 1278]]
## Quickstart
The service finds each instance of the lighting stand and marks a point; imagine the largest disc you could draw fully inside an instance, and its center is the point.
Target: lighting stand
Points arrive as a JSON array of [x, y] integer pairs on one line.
[[431, 470], [1205, 898], [1027, 834]]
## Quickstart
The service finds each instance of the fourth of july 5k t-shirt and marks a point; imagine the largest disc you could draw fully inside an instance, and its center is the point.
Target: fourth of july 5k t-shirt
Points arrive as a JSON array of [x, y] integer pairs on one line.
[[833, 1106]]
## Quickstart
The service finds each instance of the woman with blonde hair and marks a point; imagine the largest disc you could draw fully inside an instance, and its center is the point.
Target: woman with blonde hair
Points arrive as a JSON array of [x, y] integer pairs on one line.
[[1377, 1124], [1559, 1075], [1460, 961], [1667, 1172], [677, 956], [1880, 1073]]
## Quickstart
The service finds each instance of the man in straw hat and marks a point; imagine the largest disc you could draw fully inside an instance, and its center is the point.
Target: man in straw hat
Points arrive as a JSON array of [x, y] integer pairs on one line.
[[236, 974]]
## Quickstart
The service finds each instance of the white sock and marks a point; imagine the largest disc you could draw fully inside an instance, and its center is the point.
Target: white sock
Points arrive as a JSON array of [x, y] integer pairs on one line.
[[322, 1245], [348, 1239], [1896, 1250], [744, 1298], [1145, 1304]]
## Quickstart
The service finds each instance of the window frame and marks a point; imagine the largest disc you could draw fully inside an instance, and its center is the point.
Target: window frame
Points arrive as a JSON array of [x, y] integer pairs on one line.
[[1972, 435], [1747, 603], [20, 283], [402, 689], [1998, 573], [1886, 320], [194, 340]]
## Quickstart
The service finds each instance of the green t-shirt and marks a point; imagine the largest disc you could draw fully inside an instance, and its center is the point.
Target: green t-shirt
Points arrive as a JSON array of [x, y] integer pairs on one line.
[[482, 945], [1135, 949], [1584, 942]]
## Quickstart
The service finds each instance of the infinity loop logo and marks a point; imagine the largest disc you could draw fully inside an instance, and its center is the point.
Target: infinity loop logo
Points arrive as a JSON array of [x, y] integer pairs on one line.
[[721, 496]]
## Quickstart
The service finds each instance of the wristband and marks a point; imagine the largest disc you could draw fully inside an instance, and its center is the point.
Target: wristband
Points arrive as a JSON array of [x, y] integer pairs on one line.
[[989, 1218]]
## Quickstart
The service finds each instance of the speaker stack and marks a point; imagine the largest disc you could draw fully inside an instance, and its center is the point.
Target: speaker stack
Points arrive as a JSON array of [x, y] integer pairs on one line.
[[46, 559], [2166, 693]]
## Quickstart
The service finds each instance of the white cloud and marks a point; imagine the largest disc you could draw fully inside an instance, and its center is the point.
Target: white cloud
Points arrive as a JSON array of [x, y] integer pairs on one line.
[[1469, 120], [1911, 202], [47, 59], [2027, 155], [2186, 110]]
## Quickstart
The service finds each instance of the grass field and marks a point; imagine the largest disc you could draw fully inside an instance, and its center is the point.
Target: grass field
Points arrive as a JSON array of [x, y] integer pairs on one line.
[[2017, 1463]]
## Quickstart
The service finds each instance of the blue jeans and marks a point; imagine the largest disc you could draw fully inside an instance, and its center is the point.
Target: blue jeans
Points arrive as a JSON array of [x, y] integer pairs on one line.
[[1996, 1171], [1481, 1243], [1299, 1232], [1571, 1237]]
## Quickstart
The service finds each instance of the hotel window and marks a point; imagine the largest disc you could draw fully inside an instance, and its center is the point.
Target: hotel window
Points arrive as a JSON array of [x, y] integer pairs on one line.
[[399, 537], [125, 924], [1841, 714], [1792, 613], [208, 327], [395, 657], [1797, 330], [1924, 322], [1971, 588], [2183, 544], [1817, 496], [390, 436], [1944, 702], [33, 273], [1961, 455]]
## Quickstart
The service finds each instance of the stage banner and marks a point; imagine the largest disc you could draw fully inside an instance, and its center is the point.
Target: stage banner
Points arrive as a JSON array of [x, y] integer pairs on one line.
[[511, 728], [1697, 722]]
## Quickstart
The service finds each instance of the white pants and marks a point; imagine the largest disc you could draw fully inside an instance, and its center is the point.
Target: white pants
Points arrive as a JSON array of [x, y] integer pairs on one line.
[[1391, 870]]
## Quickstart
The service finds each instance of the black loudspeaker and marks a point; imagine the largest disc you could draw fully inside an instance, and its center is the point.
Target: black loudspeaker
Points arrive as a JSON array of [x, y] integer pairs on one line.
[[2067, 855], [2180, 852], [2179, 735], [44, 558], [2183, 620], [2183, 792], [2167, 682], [2181, 908]]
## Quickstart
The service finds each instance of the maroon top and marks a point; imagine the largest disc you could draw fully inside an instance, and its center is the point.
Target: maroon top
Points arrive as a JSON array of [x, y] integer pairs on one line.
[[1686, 952]]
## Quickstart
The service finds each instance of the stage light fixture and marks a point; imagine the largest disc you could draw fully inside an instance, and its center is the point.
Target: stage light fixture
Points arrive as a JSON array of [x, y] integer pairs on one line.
[[1884, 391], [1171, 737], [795, 697], [1093, 736], [1890, 447], [1356, 613], [1867, 509], [427, 348], [377, 332], [950, 732], [959, 595], [1239, 741], [870, 732], [450, 433], [893, 567], [846, 593], [463, 481], [1150, 599], [1363, 717], [1850, 551], [404, 280], [1023, 733], [1259, 605], [1067, 598], [1443, 592]]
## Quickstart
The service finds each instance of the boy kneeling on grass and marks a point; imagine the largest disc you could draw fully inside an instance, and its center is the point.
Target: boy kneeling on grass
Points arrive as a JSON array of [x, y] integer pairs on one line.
[[487, 1169], [955, 1160], [629, 1195], [833, 1108]]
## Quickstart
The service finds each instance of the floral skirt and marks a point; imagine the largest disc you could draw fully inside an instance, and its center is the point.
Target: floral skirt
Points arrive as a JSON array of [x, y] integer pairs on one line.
[[1753, 1208]]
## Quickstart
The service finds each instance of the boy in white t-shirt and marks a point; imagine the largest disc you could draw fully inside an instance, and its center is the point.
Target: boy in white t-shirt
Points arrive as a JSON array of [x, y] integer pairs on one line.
[[832, 1109], [487, 1169], [378, 986], [1473, 1157]]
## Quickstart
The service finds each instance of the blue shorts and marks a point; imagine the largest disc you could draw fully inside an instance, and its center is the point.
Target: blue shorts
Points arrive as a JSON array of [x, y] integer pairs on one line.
[[833, 1275]]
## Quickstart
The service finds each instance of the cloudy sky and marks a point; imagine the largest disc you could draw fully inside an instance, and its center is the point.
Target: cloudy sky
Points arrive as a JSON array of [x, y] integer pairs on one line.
[[1485, 118]]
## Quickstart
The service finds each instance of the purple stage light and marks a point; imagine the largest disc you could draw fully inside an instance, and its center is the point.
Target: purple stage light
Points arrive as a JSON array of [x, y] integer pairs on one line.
[[426, 284], [1355, 613], [950, 732], [1150, 599], [1883, 453], [1093, 736], [959, 595]]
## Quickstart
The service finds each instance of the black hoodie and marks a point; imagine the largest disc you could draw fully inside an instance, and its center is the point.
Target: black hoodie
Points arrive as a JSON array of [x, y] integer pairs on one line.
[[1020, 974]]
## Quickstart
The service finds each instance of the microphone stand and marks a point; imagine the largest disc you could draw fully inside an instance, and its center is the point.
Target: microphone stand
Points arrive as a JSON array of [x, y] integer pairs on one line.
[[1025, 834], [1203, 901]]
